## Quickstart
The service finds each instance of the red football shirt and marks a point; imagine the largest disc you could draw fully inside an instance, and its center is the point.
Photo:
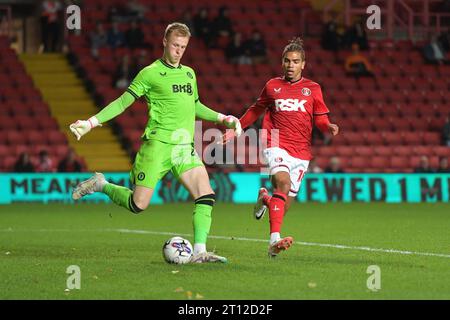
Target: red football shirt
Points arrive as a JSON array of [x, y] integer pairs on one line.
[[290, 108]]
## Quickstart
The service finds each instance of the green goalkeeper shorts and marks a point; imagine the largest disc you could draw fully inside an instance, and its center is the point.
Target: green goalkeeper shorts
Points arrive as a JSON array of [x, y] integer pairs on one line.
[[155, 158]]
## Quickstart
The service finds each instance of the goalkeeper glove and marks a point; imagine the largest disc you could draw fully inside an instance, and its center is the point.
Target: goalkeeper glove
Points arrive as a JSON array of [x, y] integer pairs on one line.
[[81, 127], [230, 122]]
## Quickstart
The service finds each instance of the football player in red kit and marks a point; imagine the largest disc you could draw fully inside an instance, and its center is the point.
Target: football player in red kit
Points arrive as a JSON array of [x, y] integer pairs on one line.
[[292, 105]]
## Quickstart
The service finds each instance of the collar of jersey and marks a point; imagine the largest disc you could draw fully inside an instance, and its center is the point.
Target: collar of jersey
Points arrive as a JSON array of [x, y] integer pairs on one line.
[[284, 78], [168, 65]]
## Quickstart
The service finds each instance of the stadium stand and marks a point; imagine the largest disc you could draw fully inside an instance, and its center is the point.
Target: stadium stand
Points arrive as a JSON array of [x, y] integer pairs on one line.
[[402, 108], [387, 122], [26, 123]]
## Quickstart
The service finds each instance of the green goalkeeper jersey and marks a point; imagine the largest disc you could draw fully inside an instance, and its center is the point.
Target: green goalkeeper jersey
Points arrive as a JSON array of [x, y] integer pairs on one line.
[[171, 94]]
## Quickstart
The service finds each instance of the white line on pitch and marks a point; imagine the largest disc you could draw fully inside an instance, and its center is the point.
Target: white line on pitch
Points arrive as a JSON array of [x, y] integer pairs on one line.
[[336, 246], [313, 244]]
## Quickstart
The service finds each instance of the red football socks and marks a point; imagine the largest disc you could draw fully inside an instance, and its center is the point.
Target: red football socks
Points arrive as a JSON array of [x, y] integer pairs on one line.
[[276, 211]]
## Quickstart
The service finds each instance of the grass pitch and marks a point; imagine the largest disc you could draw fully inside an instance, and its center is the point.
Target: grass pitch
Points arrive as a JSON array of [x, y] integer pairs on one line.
[[119, 254]]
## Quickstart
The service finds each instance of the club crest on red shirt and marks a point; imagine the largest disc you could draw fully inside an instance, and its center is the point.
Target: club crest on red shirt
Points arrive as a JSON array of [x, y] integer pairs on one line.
[[306, 92]]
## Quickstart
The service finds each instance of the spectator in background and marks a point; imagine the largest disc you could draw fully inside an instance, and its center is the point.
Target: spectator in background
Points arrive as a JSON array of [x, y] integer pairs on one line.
[[256, 47], [357, 34], [23, 164], [236, 52], [4, 27], [443, 165], [113, 13], [444, 40], [202, 26], [123, 74], [45, 164], [434, 52], [424, 166], [69, 163], [116, 38], [446, 132], [136, 9], [134, 36], [139, 62], [313, 167], [357, 65], [50, 25], [222, 28], [330, 36], [99, 39], [187, 20], [334, 166]]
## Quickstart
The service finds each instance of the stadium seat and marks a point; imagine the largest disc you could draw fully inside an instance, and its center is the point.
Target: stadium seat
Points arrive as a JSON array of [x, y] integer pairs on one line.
[[373, 138], [383, 151], [399, 163], [364, 151], [412, 138], [354, 138], [379, 163], [392, 138], [405, 103], [359, 163], [382, 124]]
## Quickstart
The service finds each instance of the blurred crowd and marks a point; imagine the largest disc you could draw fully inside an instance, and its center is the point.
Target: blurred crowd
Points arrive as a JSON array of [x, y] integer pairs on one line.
[[44, 163], [336, 37], [218, 32], [437, 51], [214, 29]]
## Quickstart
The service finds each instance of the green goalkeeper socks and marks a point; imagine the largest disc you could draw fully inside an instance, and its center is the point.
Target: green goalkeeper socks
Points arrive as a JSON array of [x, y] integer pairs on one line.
[[121, 196], [202, 217]]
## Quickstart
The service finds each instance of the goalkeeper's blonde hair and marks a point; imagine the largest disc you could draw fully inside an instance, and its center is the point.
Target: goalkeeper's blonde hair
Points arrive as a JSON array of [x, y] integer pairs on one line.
[[178, 28], [295, 45]]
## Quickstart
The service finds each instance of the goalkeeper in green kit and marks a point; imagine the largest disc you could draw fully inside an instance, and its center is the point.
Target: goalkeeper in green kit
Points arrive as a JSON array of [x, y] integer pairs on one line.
[[172, 96]]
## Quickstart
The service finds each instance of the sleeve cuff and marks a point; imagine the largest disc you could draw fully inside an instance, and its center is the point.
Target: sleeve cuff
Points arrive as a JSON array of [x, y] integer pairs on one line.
[[133, 94]]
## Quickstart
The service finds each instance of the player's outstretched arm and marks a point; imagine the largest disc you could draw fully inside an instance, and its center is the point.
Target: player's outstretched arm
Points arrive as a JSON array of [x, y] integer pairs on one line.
[[205, 113], [249, 117], [112, 110]]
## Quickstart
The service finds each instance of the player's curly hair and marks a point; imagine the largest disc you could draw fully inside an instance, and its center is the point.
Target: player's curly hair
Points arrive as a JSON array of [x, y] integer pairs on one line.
[[295, 45]]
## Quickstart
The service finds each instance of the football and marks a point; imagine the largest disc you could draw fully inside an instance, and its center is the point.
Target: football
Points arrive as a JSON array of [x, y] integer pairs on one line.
[[177, 250]]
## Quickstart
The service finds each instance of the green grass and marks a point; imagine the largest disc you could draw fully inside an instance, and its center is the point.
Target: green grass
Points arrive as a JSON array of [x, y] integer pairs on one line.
[[43, 240]]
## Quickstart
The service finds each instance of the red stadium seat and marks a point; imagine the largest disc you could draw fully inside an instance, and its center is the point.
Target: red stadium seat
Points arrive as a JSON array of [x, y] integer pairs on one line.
[[401, 124], [402, 150], [362, 124], [8, 124], [383, 151], [431, 138], [354, 138], [392, 138], [364, 151], [360, 163], [27, 123], [399, 163], [56, 137], [423, 150], [345, 151], [373, 138], [418, 124], [380, 163], [15, 137], [382, 124], [441, 151], [412, 138], [36, 137]]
